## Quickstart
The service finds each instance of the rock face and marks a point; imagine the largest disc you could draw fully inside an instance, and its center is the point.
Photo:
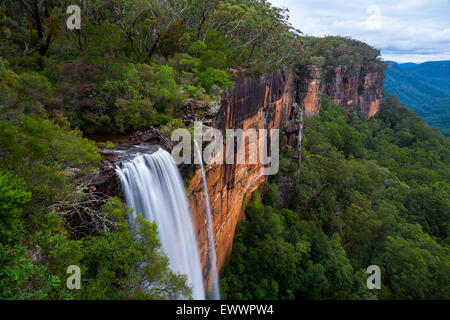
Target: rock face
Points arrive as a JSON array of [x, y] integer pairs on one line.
[[371, 95], [265, 103], [106, 180], [354, 86], [309, 89]]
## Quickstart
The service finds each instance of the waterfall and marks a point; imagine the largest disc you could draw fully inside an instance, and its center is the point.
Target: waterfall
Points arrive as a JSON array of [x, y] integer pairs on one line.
[[211, 238], [300, 132], [300, 136], [153, 187]]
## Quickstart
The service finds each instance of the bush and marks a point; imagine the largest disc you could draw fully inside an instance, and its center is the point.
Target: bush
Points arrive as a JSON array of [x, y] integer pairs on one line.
[[215, 77], [12, 199]]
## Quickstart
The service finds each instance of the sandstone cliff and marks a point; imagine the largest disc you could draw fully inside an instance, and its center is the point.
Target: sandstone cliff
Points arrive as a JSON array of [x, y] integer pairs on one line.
[[354, 86], [271, 101], [268, 102]]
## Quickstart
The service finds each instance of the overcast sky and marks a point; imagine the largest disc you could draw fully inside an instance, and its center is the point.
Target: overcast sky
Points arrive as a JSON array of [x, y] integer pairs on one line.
[[404, 30]]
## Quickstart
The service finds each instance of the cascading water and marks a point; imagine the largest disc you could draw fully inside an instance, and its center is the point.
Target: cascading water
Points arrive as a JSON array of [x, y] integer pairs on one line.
[[300, 132], [300, 136], [211, 238], [153, 187]]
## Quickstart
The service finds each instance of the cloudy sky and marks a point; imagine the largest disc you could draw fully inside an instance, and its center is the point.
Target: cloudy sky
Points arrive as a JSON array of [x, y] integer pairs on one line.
[[404, 30]]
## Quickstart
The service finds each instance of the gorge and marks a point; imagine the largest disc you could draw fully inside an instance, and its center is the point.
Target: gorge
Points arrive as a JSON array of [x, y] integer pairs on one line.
[[274, 101], [90, 177], [265, 103]]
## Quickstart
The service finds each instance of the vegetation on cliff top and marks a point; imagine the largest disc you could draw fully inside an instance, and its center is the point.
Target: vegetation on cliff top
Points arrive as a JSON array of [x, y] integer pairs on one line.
[[134, 64]]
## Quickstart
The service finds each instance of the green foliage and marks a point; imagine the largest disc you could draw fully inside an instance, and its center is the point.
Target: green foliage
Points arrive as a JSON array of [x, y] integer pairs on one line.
[[365, 193], [116, 264], [270, 195], [197, 48], [174, 40], [341, 51], [172, 126], [425, 88], [43, 153], [416, 265], [12, 198], [154, 55], [276, 255], [135, 114], [20, 278], [28, 92], [214, 77], [37, 238], [166, 89]]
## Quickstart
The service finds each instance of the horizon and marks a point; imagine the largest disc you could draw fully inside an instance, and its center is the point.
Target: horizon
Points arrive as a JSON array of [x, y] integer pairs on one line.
[[382, 24], [418, 63]]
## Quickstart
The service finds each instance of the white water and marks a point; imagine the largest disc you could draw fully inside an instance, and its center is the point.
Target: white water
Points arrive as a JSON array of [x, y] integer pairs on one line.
[[152, 185], [211, 238], [300, 133]]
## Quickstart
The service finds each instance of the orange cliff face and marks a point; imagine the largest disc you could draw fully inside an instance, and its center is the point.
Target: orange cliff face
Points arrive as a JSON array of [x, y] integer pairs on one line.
[[356, 87], [371, 97], [265, 103], [309, 89], [268, 102]]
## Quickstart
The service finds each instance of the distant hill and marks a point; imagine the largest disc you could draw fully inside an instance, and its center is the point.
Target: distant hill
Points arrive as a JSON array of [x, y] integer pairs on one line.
[[424, 88]]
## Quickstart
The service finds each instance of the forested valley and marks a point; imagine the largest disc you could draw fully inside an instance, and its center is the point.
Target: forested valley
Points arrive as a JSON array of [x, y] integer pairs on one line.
[[361, 191]]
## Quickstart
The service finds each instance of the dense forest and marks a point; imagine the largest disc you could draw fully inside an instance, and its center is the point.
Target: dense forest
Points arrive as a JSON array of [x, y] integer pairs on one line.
[[132, 64], [365, 192], [425, 88]]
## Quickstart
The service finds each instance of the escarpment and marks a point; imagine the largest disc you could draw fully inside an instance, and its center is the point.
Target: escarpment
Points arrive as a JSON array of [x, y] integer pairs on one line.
[[309, 90], [352, 85], [269, 102], [266, 103]]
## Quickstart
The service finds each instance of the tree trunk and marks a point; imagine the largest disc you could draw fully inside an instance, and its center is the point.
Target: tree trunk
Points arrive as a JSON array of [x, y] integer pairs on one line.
[[31, 31], [155, 45]]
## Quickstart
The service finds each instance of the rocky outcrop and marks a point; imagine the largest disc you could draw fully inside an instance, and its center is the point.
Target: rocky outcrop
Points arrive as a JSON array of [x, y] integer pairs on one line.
[[265, 103], [106, 181], [309, 89], [272, 101], [152, 136], [352, 85], [371, 93]]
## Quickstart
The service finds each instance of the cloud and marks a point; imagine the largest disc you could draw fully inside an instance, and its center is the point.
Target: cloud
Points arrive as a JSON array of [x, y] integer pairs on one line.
[[443, 35], [402, 29]]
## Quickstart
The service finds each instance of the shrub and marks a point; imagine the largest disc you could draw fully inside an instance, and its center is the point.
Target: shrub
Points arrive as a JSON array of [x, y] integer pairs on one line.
[[211, 77]]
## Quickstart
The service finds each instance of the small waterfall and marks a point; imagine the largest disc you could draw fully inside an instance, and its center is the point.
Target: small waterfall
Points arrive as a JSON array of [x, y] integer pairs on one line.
[[300, 132], [211, 238], [152, 185], [300, 137]]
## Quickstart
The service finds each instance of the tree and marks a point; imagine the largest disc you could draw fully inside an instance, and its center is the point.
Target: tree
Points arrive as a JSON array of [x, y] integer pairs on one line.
[[46, 25]]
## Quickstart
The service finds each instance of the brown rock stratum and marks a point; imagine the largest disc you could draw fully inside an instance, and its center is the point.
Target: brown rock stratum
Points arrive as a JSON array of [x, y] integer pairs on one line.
[[265, 103]]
